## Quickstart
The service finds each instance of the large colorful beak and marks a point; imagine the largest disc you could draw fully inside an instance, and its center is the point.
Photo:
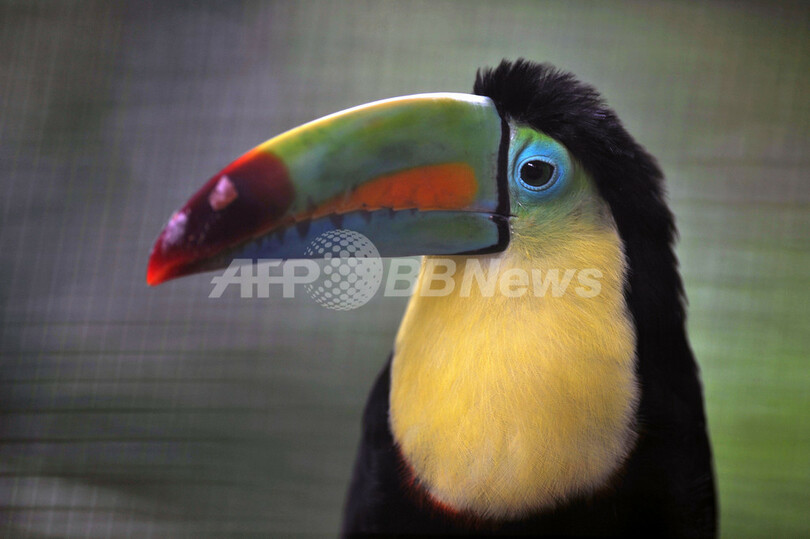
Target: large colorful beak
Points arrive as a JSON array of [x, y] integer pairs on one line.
[[417, 175]]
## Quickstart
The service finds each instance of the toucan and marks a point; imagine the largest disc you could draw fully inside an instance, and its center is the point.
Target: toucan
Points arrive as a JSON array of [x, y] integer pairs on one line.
[[527, 410]]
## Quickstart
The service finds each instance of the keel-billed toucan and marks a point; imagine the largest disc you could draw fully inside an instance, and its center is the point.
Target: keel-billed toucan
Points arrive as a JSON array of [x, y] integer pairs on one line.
[[500, 413]]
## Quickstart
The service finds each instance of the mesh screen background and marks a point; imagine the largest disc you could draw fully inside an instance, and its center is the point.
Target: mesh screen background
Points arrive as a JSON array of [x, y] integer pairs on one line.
[[135, 411]]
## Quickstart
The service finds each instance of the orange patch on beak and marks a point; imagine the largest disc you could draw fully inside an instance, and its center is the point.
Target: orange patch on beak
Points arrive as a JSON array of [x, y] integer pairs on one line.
[[449, 186]]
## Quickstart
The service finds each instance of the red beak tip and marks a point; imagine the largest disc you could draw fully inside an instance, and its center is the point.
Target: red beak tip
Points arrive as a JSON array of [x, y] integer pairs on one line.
[[157, 268], [153, 277]]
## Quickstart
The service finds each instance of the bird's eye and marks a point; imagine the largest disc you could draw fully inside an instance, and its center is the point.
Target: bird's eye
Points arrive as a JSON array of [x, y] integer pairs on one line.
[[536, 173]]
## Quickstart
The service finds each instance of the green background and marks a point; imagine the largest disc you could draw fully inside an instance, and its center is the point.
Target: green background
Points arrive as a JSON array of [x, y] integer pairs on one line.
[[135, 411]]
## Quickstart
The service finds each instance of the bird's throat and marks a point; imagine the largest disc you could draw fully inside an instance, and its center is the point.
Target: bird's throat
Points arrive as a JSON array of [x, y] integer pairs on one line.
[[502, 406]]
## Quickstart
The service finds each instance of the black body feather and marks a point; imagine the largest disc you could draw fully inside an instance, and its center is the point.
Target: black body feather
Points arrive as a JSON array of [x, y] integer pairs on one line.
[[667, 486]]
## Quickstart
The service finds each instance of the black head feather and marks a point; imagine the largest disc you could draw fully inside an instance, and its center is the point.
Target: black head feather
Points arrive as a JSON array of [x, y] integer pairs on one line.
[[628, 178]]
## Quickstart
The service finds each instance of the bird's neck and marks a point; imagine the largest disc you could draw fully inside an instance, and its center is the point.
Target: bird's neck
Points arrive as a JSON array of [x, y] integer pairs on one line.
[[505, 405]]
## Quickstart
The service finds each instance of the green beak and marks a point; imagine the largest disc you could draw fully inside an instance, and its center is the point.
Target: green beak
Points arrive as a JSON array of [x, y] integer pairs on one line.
[[417, 175]]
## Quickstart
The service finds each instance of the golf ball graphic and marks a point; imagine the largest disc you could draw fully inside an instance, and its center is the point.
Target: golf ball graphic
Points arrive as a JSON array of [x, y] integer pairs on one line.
[[352, 272]]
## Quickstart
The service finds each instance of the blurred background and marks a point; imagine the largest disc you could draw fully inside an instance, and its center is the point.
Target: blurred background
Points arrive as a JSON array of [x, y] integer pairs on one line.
[[131, 411]]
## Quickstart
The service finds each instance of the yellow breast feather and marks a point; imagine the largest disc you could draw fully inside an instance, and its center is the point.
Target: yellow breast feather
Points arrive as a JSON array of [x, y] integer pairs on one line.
[[506, 405]]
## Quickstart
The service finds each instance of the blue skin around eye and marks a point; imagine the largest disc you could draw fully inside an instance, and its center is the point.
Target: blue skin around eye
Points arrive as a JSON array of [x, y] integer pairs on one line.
[[549, 152]]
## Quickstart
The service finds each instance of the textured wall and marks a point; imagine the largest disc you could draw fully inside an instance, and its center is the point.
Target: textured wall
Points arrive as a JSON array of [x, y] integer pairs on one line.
[[130, 411]]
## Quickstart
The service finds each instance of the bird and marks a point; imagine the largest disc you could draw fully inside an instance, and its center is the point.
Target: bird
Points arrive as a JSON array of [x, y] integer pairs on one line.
[[509, 408]]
